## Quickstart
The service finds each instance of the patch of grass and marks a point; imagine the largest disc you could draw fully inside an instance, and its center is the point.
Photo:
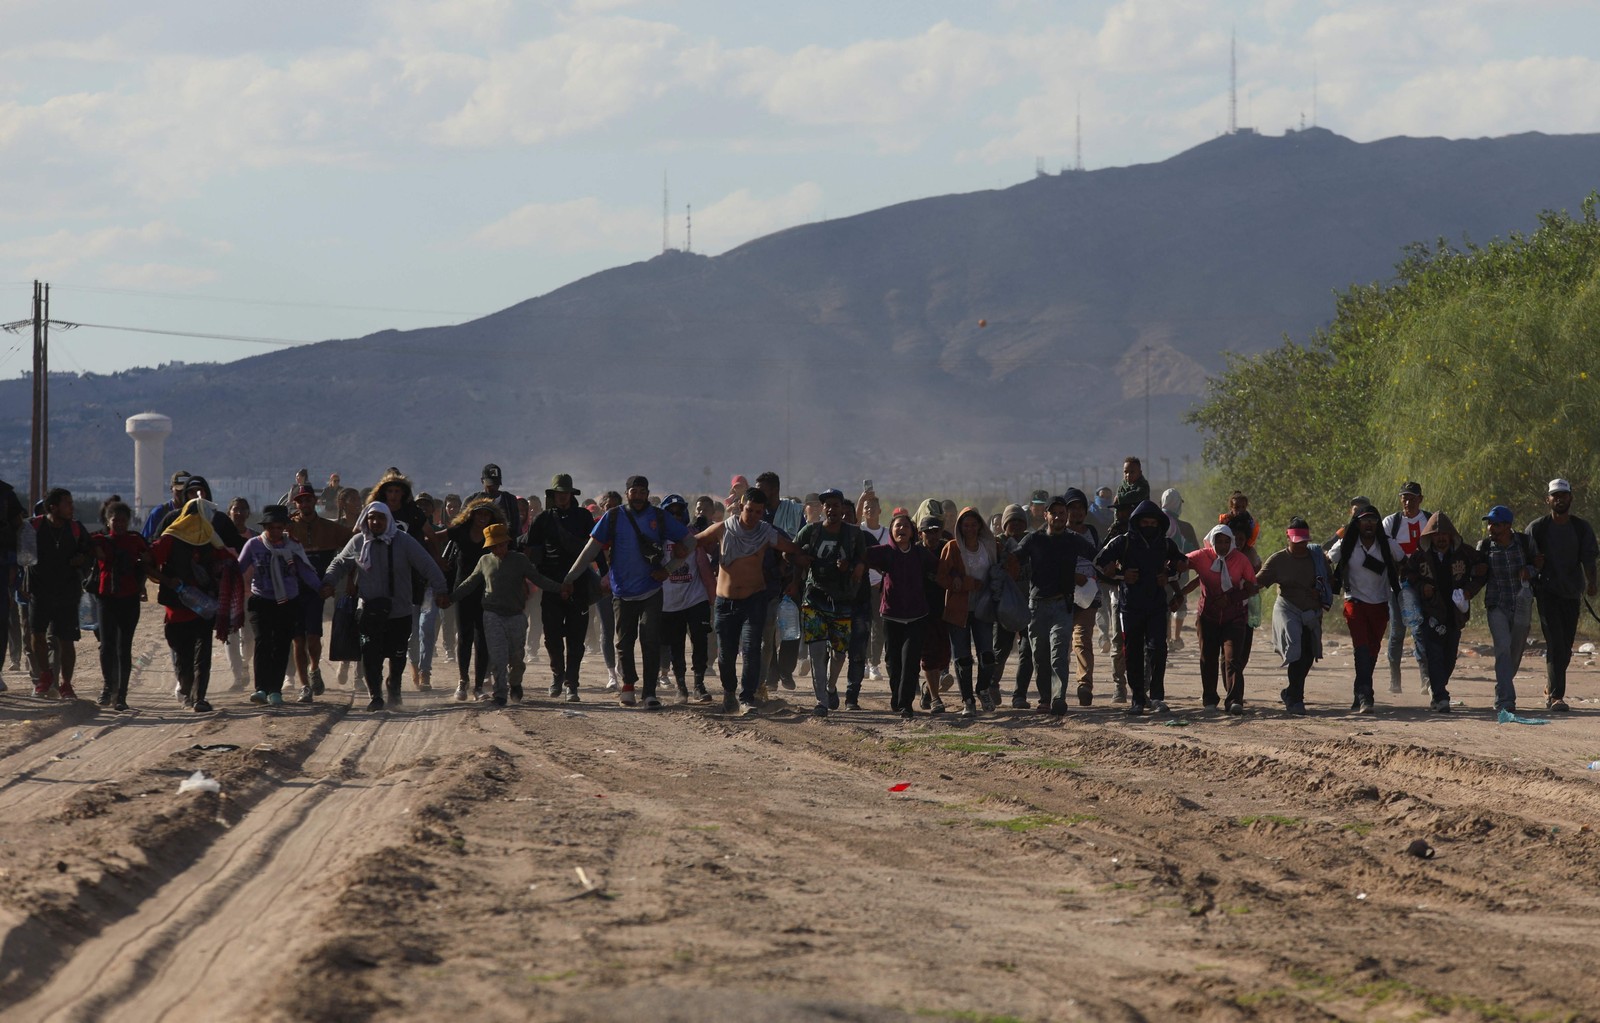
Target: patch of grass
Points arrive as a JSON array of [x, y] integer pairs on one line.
[[551, 978], [950, 822], [1121, 886], [1034, 821], [1271, 818], [1362, 828], [1378, 992], [1236, 910], [1066, 891], [1053, 764], [968, 1016], [950, 742]]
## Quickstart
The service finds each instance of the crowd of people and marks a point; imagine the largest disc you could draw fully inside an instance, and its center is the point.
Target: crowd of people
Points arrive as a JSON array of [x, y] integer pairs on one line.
[[769, 589]]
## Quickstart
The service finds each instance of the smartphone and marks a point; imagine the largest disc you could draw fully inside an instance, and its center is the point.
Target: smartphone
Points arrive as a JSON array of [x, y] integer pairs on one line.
[[866, 484]]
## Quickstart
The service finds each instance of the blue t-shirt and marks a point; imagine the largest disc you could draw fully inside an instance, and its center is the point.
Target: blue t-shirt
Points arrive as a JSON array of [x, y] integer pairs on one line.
[[630, 572]]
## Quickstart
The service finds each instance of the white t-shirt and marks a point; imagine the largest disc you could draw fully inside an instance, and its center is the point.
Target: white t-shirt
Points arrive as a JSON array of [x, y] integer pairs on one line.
[[874, 538]]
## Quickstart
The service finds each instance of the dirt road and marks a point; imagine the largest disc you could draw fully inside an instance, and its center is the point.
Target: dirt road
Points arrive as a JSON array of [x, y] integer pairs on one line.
[[446, 860]]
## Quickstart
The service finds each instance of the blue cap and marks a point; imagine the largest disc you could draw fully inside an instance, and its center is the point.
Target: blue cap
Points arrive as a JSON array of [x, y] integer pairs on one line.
[[1499, 514], [832, 492], [672, 499]]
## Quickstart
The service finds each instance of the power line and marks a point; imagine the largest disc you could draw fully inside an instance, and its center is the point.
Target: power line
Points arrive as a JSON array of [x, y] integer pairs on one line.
[[278, 341], [266, 301]]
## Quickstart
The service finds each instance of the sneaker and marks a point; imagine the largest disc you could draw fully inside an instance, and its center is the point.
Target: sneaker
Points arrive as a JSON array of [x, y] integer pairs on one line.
[[516, 694], [556, 688], [927, 698], [937, 708], [395, 697], [1058, 708], [1159, 707], [908, 714], [305, 695], [187, 702], [200, 707], [850, 704], [969, 709], [833, 699], [67, 693], [1237, 709], [1085, 694], [1364, 707], [626, 696], [613, 683], [1297, 709], [1020, 703], [480, 696], [317, 686], [1443, 706], [819, 711], [946, 681], [746, 709], [461, 693], [762, 696], [105, 698], [121, 705], [46, 680], [730, 703], [274, 699], [256, 697], [427, 682], [1134, 709], [376, 704], [1121, 695], [787, 682], [498, 700], [1175, 644], [683, 696], [700, 695], [572, 696], [1558, 705], [651, 703]]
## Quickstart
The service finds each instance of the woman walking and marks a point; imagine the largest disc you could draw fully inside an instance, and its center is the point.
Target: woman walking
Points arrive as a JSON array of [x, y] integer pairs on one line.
[[277, 570], [122, 560], [906, 566], [188, 560]]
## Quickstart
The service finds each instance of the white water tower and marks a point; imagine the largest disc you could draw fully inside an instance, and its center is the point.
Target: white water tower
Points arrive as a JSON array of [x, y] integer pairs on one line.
[[149, 431]]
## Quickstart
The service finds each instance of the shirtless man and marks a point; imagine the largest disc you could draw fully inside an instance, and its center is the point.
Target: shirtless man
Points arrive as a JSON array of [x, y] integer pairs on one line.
[[742, 594]]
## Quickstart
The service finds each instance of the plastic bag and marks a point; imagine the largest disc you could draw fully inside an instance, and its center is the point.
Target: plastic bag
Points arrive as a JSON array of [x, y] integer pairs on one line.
[[1410, 608], [198, 782], [88, 613], [1010, 607], [1084, 596], [788, 620], [1252, 607]]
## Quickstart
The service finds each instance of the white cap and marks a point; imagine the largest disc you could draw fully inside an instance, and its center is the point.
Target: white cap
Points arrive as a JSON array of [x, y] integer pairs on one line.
[[1559, 486]]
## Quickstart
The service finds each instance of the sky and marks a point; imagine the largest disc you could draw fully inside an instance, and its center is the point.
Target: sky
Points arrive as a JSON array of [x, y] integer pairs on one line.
[[299, 171]]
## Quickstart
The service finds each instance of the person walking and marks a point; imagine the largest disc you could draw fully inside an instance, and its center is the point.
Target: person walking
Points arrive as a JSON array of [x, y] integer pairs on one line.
[[869, 512], [1181, 533], [1405, 527], [1366, 565], [964, 566], [277, 571], [553, 541], [1507, 600], [1225, 580], [1446, 574], [1564, 555], [505, 501], [121, 562], [383, 557], [1305, 591], [906, 567], [638, 539], [833, 583], [463, 548], [498, 580], [159, 514], [686, 613], [1052, 559], [1144, 562], [55, 589], [188, 562], [321, 538]]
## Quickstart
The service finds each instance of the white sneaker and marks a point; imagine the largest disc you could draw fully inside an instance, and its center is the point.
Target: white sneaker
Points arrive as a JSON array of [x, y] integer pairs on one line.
[[872, 672], [461, 693], [612, 681]]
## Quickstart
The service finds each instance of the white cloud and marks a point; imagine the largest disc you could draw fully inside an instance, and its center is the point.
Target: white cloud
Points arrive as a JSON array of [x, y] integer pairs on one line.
[[156, 276], [60, 251], [588, 225], [1494, 98]]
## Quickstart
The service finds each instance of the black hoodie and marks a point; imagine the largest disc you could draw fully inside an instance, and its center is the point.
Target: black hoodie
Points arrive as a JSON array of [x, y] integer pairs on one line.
[[1153, 556]]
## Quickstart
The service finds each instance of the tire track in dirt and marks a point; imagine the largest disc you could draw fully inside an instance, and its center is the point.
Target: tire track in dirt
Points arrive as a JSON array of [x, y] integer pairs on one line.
[[202, 940]]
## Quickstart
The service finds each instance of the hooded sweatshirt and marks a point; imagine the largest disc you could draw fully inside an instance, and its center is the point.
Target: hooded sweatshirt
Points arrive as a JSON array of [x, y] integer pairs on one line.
[[373, 556], [1457, 568], [1151, 552], [963, 571], [1178, 531]]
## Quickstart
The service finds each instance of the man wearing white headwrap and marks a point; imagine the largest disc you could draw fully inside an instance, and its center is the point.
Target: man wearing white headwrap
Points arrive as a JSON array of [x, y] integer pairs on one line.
[[1226, 581]]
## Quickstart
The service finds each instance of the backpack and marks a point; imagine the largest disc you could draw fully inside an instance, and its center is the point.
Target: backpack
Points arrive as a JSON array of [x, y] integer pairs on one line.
[[1324, 575]]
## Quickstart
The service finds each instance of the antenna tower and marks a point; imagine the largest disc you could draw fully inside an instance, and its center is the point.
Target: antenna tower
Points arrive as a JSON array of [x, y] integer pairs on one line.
[[1077, 147], [1233, 82]]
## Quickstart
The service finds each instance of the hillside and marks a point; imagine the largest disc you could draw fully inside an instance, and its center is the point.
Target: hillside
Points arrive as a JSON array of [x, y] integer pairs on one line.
[[852, 347]]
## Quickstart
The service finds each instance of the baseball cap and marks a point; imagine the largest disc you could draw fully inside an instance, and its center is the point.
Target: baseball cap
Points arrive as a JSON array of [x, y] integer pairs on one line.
[[672, 499], [1559, 486], [1039, 497], [930, 522], [831, 493], [637, 481], [738, 481], [491, 472], [1060, 499], [1499, 514], [1411, 487]]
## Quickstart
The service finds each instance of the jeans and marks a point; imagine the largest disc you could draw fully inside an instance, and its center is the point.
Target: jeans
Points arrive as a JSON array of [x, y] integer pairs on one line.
[[1050, 629], [1222, 651], [1367, 623], [902, 651], [1441, 651], [1558, 620], [687, 631], [566, 624], [505, 636], [1145, 637], [424, 633], [740, 625], [866, 628], [1510, 640], [640, 620], [119, 616], [962, 640], [470, 640]]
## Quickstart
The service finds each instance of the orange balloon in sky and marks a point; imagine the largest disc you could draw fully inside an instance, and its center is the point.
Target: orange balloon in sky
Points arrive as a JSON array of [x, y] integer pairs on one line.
[[983, 323]]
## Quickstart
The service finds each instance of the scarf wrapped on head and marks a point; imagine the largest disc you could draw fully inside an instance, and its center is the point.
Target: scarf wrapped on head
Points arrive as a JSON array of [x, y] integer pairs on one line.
[[193, 526], [364, 559], [1220, 566]]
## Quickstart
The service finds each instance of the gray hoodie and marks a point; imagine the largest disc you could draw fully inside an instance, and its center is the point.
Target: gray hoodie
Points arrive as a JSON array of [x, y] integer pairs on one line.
[[369, 556]]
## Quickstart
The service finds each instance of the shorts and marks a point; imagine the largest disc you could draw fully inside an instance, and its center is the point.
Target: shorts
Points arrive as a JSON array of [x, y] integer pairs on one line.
[[817, 626], [311, 605], [61, 620]]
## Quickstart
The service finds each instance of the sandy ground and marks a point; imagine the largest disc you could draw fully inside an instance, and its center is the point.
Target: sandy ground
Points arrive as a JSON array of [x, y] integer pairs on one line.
[[424, 863]]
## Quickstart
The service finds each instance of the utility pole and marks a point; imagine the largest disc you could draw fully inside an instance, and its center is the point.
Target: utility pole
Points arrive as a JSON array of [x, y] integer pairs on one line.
[[39, 468]]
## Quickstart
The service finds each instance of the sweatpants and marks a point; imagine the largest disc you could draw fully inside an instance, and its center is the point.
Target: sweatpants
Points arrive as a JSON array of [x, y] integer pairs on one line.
[[566, 626], [387, 643], [685, 638], [1144, 636], [1558, 620], [275, 627], [190, 642], [902, 651], [119, 617], [505, 635]]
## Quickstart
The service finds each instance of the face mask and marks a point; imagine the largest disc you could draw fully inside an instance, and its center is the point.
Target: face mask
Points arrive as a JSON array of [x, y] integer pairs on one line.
[[1151, 532]]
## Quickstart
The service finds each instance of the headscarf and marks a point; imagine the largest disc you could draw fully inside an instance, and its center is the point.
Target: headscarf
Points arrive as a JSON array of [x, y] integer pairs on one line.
[[1220, 566], [284, 558], [1172, 504], [194, 527], [364, 559]]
